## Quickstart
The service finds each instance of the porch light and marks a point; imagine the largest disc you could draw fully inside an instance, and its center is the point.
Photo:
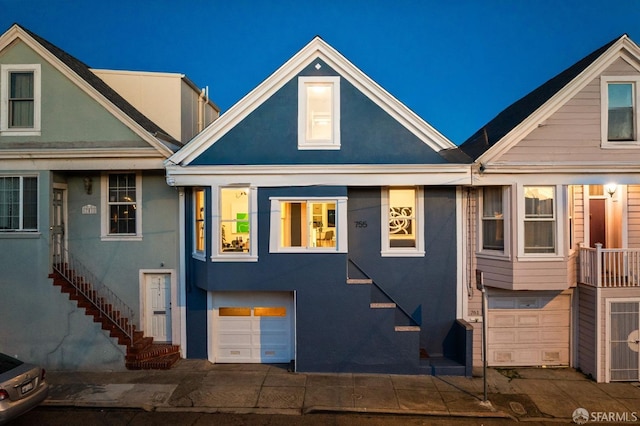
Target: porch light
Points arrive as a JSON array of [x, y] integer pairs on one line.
[[611, 189], [88, 185]]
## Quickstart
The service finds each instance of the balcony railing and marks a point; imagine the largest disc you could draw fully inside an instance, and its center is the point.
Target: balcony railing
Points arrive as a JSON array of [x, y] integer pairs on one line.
[[610, 268]]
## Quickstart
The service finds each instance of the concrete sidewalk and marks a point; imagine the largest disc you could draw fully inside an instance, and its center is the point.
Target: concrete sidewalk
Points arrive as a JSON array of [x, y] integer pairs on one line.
[[197, 385]]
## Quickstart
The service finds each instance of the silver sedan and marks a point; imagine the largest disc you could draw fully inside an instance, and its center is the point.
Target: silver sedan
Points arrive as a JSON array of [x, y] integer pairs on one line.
[[22, 387]]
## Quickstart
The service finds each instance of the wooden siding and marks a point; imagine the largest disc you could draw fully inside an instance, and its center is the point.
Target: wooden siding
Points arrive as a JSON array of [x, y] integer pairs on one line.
[[543, 275], [497, 272], [586, 330], [573, 132], [633, 216], [572, 269], [578, 216]]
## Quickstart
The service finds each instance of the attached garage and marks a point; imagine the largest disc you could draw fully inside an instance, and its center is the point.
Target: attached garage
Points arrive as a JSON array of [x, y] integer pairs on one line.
[[528, 330], [251, 327]]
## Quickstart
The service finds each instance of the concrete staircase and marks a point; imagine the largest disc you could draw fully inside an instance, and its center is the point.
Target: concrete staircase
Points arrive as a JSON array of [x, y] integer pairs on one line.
[[141, 352]]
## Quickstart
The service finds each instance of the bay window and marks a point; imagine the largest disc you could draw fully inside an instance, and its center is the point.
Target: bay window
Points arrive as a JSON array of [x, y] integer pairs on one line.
[[198, 221], [493, 218], [539, 219]]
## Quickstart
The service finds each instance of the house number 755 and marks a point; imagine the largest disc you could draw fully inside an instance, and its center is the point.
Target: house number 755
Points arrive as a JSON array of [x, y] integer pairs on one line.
[[361, 223]]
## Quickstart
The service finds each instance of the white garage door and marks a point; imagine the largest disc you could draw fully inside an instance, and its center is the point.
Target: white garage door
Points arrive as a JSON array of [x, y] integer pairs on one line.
[[528, 330], [252, 327]]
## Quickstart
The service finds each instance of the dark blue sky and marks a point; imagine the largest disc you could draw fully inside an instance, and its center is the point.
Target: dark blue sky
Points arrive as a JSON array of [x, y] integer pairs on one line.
[[455, 63]]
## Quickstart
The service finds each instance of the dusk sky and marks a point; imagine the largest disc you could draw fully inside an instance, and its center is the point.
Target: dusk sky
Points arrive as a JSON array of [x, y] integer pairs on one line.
[[455, 63]]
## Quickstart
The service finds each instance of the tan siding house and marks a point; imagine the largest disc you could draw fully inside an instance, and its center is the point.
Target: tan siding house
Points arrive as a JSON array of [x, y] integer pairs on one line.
[[567, 156]]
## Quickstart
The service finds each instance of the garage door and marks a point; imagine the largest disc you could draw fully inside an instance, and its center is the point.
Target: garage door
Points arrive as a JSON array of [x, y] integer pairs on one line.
[[528, 330], [252, 327]]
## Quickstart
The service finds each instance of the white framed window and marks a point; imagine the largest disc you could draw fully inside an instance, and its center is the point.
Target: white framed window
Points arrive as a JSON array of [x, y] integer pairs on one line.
[[18, 203], [300, 225], [199, 228], [620, 119], [318, 112], [20, 99], [494, 217], [122, 206], [235, 234], [402, 221], [539, 220]]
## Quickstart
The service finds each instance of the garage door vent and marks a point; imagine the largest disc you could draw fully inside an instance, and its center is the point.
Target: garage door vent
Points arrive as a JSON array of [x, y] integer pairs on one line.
[[503, 356], [551, 356]]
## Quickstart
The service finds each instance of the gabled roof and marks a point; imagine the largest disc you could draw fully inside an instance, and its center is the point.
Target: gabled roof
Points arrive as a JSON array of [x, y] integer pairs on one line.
[[530, 108], [145, 127], [316, 49]]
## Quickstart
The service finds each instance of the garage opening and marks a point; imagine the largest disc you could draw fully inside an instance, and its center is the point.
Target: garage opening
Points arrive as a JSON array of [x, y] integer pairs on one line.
[[250, 327]]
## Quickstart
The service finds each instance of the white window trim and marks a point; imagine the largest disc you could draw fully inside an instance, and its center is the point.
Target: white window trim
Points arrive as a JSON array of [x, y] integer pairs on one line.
[[22, 230], [559, 225], [104, 186], [341, 226], [386, 249], [506, 217], [5, 70], [334, 142], [195, 253], [216, 254], [604, 113]]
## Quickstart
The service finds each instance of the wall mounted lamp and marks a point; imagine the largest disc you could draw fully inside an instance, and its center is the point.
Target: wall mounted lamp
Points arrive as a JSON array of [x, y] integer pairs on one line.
[[88, 185], [611, 189]]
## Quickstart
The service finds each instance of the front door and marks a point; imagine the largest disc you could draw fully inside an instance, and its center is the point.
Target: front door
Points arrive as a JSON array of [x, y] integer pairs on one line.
[[624, 329], [57, 225], [158, 306], [597, 222]]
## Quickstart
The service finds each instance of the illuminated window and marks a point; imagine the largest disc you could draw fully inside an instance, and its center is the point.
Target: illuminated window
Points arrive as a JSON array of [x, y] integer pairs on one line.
[[235, 227], [319, 113], [402, 226], [199, 222], [299, 225]]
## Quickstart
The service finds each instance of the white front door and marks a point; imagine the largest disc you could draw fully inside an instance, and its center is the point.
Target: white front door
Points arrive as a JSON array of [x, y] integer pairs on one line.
[[158, 307]]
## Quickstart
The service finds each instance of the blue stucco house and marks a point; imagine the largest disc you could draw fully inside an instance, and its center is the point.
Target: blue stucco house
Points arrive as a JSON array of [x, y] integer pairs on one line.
[[321, 224]]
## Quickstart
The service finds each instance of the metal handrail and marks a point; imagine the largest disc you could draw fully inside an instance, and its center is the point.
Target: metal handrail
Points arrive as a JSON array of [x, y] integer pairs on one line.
[[98, 294], [384, 292]]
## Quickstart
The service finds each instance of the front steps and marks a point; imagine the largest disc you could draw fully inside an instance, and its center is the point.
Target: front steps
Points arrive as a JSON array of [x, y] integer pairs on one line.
[[142, 353]]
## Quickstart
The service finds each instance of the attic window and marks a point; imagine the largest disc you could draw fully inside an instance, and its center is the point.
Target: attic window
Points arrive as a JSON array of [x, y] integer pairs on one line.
[[620, 120], [20, 93], [319, 113]]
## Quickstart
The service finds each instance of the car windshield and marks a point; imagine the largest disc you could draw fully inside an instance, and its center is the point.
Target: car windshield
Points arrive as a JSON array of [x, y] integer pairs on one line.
[[7, 363]]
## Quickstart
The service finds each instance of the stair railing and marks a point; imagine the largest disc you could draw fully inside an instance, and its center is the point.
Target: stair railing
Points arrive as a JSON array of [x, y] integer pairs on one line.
[[99, 295], [384, 292]]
